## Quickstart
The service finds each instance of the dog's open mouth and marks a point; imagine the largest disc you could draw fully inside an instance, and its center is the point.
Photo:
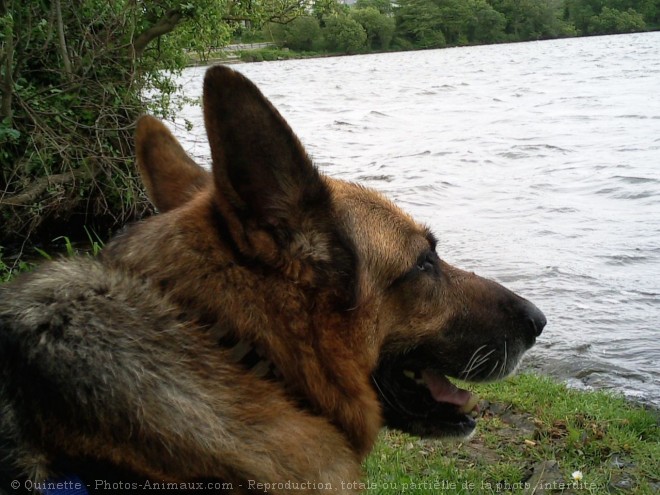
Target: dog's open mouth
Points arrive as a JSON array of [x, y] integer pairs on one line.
[[422, 401]]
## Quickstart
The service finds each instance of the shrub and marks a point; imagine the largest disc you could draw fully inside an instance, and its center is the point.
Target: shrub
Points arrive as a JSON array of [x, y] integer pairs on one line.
[[343, 34]]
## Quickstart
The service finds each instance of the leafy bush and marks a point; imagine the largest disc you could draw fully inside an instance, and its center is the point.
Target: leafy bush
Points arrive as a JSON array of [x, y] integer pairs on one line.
[[420, 22], [74, 76], [611, 21], [343, 34], [303, 34], [379, 27]]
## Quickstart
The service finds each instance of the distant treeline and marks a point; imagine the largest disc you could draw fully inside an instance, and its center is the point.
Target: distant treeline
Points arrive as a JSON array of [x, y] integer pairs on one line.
[[379, 25]]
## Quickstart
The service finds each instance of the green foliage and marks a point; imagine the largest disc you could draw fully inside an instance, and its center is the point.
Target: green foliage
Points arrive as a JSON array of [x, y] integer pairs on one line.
[[92, 246], [95, 242], [303, 34], [383, 6], [421, 22], [611, 21], [482, 23], [379, 27], [612, 16], [343, 34], [9, 269], [326, 9], [5, 272], [434, 23], [43, 253], [9, 139], [531, 20], [73, 78], [244, 34], [71, 95]]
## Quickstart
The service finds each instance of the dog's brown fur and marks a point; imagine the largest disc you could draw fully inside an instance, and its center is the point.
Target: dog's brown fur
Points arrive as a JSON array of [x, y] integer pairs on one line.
[[119, 361]]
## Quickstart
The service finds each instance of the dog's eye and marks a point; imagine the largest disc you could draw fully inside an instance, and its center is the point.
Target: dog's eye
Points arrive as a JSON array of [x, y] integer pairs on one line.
[[426, 263]]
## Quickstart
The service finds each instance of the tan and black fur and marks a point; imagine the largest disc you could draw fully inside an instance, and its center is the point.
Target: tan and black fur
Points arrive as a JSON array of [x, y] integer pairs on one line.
[[134, 364]]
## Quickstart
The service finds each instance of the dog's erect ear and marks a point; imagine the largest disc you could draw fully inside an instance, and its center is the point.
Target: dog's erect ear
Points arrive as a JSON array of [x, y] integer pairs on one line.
[[276, 205], [259, 165], [170, 176]]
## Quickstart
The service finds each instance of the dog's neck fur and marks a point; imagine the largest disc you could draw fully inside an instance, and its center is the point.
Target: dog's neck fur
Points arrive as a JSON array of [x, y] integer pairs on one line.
[[290, 314]]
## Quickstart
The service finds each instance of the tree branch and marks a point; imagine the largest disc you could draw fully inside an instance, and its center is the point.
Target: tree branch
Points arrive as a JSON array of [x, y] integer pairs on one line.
[[60, 34], [164, 25], [49, 29], [42, 183], [7, 80]]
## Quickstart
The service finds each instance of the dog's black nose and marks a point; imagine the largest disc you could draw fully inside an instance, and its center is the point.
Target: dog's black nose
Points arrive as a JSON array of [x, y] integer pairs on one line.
[[535, 319]]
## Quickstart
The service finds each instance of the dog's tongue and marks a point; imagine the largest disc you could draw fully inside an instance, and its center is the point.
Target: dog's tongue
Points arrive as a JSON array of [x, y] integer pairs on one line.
[[442, 390]]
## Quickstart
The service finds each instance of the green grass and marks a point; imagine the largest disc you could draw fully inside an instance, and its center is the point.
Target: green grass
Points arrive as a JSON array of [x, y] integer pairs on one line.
[[258, 55], [9, 268], [533, 434], [274, 53]]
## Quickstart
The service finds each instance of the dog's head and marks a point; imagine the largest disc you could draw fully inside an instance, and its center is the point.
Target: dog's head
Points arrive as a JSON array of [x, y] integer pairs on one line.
[[423, 320], [437, 320]]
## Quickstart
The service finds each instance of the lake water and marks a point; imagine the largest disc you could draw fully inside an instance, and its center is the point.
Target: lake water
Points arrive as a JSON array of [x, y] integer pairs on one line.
[[536, 164]]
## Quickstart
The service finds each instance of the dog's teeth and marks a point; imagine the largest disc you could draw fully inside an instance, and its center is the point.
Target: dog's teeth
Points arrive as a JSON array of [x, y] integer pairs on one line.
[[414, 376], [470, 405]]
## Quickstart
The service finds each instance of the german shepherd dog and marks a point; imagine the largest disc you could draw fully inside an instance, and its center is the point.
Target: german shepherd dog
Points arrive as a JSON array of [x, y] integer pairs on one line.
[[259, 331]]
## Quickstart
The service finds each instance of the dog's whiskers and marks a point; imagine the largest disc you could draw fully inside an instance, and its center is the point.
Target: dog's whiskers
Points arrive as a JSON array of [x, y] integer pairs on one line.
[[382, 392], [497, 363], [483, 359], [502, 372], [476, 362], [470, 364], [394, 404]]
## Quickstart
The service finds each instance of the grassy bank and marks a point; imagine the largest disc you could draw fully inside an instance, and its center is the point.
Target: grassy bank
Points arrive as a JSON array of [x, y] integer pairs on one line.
[[259, 55], [533, 435], [274, 53]]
